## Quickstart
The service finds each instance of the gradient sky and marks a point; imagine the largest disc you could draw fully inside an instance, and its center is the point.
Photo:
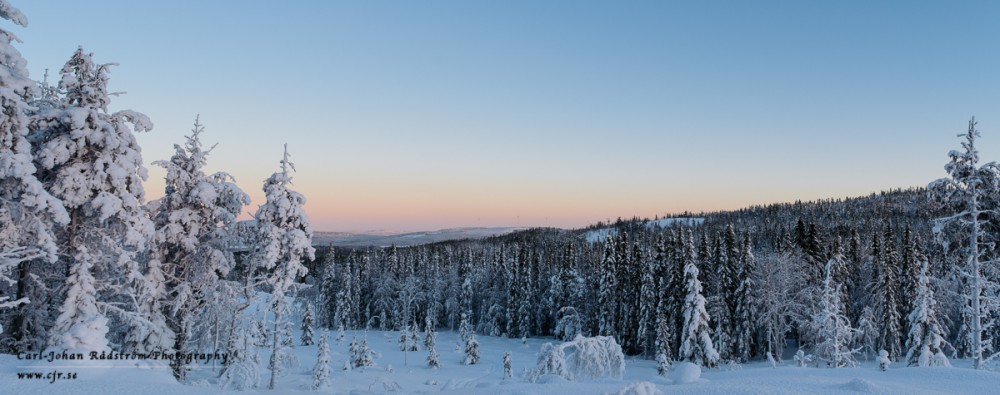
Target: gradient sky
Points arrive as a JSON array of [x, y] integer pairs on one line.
[[418, 115]]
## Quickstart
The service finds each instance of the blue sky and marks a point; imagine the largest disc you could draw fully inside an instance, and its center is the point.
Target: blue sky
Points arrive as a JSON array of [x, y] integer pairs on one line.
[[406, 115]]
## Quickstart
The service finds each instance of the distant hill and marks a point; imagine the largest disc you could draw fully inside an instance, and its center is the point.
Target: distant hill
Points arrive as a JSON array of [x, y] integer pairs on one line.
[[383, 239]]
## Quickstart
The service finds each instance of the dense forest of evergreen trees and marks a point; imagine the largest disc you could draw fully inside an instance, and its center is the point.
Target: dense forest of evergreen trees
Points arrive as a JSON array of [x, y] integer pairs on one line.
[[764, 273]]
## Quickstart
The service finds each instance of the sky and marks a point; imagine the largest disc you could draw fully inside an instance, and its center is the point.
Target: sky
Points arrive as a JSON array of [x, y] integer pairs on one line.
[[422, 115]]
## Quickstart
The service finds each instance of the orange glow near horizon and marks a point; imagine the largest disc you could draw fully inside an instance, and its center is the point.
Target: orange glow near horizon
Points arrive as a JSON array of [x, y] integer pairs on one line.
[[397, 205]]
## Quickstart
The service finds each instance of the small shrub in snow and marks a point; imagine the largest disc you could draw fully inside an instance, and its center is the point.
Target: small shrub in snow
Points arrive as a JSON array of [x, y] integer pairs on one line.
[[801, 359], [641, 388], [686, 372]]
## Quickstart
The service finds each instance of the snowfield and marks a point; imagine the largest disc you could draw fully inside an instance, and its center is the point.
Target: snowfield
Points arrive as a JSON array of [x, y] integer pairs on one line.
[[407, 373]]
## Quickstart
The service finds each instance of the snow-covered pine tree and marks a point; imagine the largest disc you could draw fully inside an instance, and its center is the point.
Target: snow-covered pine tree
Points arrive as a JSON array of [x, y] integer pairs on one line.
[[886, 298], [696, 340], [833, 329], [81, 327], [472, 350], [28, 213], [194, 223], [307, 327], [90, 159], [909, 271], [729, 282], [926, 341], [322, 374], [648, 307], [284, 239], [967, 191], [744, 319]]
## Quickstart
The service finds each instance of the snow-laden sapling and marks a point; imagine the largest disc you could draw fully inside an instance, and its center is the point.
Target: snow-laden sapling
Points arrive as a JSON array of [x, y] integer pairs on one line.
[[307, 327], [507, 365], [833, 329], [322, 375], [340, 334], [472, 350], [883, 360], [430, 343], [926, 339], [361, 354], [568, 324], [662, 363]]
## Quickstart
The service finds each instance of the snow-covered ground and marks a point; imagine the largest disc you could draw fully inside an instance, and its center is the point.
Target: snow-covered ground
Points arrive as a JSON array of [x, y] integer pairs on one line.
[[407, 373]]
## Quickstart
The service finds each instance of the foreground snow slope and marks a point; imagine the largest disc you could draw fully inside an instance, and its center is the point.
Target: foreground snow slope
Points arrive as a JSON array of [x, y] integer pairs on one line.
[[411, 376]]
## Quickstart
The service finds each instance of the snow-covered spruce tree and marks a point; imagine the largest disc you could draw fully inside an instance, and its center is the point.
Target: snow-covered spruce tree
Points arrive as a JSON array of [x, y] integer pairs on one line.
[[322, 374], [28, 213], [648, 300], [696, 340], [194, 221], [90, 159], [926, 341], [472, 350], [607, 303], [284, 239], [243, 369], [833, 329], [81, 327], [307, 327], [968, 191]]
